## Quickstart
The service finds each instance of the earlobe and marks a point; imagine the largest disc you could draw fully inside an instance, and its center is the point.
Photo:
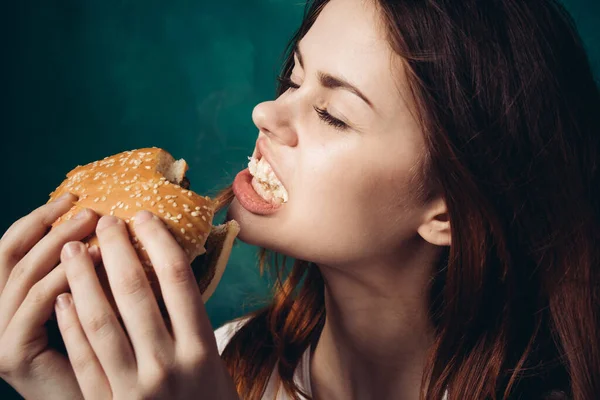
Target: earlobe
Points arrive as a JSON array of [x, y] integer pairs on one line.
[[435, 228]]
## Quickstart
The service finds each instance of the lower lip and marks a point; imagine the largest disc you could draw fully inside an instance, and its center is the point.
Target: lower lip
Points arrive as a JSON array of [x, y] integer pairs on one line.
[[248, 198]]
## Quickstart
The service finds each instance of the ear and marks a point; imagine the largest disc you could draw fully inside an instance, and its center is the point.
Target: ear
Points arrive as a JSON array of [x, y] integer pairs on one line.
[[435, 227]]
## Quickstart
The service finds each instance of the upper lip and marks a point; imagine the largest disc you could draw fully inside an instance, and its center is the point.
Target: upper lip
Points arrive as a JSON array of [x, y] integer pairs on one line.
[[262, 150]]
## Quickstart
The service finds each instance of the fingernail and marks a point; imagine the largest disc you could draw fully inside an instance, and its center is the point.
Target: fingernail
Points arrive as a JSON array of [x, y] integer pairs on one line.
[[63, 301], [107, 221], [71, 249], [81, 214], [64, 197], [142, 217]]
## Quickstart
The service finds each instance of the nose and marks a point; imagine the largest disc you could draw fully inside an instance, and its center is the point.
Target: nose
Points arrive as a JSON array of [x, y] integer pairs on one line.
[[274, 120]]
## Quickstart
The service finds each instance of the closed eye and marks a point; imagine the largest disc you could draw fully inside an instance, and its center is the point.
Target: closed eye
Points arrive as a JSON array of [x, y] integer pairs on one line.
[[287, 84]]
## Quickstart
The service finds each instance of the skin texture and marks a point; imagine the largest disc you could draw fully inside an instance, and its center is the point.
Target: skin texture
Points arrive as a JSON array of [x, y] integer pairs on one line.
[[352, 208], [143, 359]]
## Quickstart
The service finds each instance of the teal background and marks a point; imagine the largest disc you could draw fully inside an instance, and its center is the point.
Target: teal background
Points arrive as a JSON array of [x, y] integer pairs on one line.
[[84, 79]]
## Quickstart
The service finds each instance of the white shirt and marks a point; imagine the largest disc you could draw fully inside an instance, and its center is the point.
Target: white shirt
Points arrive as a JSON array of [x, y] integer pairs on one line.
[[301, 374]]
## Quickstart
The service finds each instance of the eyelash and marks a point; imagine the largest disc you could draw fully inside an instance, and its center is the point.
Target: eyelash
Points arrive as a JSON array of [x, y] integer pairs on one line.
[[323, 114]]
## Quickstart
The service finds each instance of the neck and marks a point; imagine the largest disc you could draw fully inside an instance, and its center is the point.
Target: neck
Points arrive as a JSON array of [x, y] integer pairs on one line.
[[377, 330]]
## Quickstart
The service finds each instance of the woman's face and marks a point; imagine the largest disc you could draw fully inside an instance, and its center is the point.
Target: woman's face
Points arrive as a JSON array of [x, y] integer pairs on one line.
[[351, 186]]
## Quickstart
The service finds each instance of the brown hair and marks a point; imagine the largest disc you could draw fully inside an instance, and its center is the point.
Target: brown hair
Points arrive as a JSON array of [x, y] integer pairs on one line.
[[511, 116]]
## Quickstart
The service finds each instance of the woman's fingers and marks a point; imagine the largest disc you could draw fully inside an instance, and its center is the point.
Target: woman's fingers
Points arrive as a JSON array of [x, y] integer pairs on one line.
[[86, 366], [133, 294], [39, 302], [24, 344], [98, 321], [26, 232], [40, 260], [190, 323]]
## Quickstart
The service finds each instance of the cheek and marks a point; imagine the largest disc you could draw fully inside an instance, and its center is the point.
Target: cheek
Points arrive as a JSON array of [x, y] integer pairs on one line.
[[348, 215]]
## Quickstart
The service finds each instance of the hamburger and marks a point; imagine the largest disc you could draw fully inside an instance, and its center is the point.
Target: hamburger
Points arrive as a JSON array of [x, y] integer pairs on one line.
[[151, 179]]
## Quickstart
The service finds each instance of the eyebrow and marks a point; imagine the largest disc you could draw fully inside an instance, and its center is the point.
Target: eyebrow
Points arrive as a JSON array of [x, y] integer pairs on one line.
[[332, 82]]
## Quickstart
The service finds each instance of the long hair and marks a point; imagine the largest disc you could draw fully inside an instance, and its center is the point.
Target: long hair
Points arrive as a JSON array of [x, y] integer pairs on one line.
[[510, 111]]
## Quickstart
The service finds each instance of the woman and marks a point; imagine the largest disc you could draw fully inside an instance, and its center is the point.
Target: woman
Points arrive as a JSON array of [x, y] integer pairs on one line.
[[440, 160]]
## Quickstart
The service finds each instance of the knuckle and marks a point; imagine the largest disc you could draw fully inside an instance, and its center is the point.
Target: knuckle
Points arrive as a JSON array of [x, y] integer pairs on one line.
[[9, 362], [10, 229], [38, 293], [158, 380], [133, 284], [80, 362], [177, 271], [18, 273], [101, 324]]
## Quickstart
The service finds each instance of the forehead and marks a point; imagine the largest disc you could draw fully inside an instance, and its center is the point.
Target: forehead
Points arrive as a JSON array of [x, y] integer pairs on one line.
[[349, 40]]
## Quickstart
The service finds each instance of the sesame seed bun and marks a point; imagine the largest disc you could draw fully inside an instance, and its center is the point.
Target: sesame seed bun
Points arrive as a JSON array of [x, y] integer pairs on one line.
[[151, 179]]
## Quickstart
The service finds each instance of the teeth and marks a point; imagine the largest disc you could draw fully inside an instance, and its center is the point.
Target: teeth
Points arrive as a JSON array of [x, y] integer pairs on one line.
[[265, 181]]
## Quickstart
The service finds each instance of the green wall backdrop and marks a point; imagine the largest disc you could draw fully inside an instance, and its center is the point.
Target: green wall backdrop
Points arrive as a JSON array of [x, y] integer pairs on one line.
[[83, 79]]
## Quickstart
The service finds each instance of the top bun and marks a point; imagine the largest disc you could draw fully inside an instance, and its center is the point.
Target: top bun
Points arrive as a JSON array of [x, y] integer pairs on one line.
[[151, 179]]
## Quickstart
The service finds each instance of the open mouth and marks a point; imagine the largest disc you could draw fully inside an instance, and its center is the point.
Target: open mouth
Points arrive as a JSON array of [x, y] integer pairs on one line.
[[265, 182]]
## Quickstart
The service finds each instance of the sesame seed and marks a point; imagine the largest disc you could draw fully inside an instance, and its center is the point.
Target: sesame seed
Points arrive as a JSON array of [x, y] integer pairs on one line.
[[197, 208], [193, 240], [96, 200], [179, 216], [194, 214], [137, 203], [155, 186], [161, 210], [127, 207], [132, 195], [168, 215], [170, 201], [121, 205], [147, 167], [203, 218], [189, 225], [189, 194], [103, 198], [155, 191], [152, 204], [113, 207], [158, 198], [112, 213], [161, 206], [183, 230], [174, 204]]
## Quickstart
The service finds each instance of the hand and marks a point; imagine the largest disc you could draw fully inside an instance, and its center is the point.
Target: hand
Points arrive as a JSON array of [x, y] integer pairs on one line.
[[30, 280], [154, 363]]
